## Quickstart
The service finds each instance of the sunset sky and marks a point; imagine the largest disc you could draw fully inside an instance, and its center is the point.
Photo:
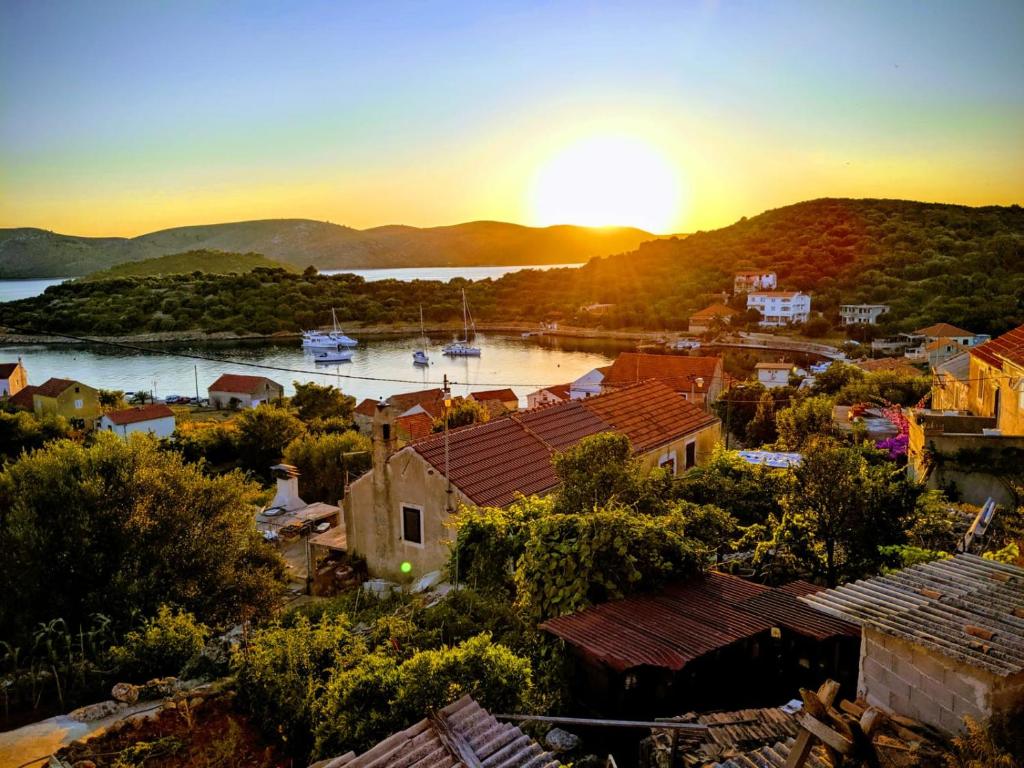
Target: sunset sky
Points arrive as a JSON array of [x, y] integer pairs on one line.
[[121, 118]]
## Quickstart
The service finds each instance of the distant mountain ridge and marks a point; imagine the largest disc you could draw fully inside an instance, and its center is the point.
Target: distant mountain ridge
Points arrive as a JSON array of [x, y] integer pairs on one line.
[[29, 252]]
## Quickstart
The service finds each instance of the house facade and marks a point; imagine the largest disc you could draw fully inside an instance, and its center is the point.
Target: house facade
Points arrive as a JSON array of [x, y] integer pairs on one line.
[[862, 314], [78, 403], [556, 393], [773, 375], [400, 511], [699, 379], [13, 378], [780, 307], [497, 401], [429, 401], [589, 384], [156, 420], [754, 280], [236, 391]]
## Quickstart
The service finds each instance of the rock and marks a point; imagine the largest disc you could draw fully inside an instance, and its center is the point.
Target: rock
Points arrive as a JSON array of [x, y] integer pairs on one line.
[[561, 741], [98, 711], [125, 692], [159, 688]]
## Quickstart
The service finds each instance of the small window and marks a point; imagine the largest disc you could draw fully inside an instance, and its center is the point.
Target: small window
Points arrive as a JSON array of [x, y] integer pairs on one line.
[[412, 524], [78, 404], [691, 454], [386, 431], [668, 464]]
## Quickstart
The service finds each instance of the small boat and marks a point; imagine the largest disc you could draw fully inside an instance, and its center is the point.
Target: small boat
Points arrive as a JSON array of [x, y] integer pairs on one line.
[[420, 357], [680, 344], [339, 337], [333, 356], [461, 347]]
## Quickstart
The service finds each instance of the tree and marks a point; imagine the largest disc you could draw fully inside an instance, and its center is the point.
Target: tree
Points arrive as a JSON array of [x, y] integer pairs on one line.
[[737, 406], [111, 399], [749, 492], [316, 402], [463, 413], [817, 327], [326, 460], [835, 377], [761, 429], [896, 387], [21, 431], [263, 433], [805, 419], [121, 528]]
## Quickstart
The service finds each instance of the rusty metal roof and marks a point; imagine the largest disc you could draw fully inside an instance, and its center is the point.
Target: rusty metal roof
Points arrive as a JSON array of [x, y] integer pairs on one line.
[[683, 621], [456, 735], [967, 608]]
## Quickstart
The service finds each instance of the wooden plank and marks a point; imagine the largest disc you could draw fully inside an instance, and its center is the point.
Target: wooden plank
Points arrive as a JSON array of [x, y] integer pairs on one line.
[[870, 720], [852, 708], [827, 735], [804, 742]]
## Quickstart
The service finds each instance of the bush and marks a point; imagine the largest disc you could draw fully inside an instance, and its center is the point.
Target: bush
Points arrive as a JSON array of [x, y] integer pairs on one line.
[[163, 645]]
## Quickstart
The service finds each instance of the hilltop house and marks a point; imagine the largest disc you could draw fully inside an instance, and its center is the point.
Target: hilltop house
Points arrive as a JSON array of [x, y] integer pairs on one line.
[[707, 318], [861, 314], [232, 390], [754, 280], [977, 406], [399, 511], [773, 375], [428, 401], [76, 402], [780, 307], [156, 420], [13, 378], [697, 379], [556, 393]]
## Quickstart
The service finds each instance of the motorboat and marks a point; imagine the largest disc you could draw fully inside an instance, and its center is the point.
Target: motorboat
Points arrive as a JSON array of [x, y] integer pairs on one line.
[[333, 356], [683, 344], [420, 356], [339, 337], [318, 340], [462, 347]]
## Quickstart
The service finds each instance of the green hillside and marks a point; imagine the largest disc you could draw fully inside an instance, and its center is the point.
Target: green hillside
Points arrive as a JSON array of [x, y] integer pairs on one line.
[[302, 242], [213, 262]]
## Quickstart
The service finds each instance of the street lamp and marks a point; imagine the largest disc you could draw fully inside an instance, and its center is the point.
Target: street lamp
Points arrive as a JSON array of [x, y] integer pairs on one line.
[[696, 382]]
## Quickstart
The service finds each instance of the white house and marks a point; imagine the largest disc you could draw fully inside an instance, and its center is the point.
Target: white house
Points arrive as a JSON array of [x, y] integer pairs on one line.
[[157, 420], [756, 280], [780, 307], [232, 390], [773, 375], [556, 393], [862, 314], [589, 384]]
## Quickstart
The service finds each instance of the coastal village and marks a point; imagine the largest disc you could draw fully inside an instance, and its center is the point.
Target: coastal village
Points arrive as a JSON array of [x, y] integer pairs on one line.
[[733, 660]]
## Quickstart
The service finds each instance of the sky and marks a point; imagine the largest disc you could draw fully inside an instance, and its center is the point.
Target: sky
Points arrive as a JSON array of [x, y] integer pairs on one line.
[[118, 118]]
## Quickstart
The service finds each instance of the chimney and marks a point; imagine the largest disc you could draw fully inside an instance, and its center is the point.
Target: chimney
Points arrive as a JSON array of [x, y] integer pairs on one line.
[[287, 496], [384, 438]]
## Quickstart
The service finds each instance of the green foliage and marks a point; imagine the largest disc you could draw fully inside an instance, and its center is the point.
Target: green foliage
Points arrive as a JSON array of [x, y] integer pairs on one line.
[[462, 413], [21, 431], [837, 376], [885, 387], [121, 528], [761, 429], [804, 420], [749, 492], [325, 460], [900, 556], [162, 646], [989, 744], [817, 327], [203, 261], [319, 403], [263, 434], [111, 399]]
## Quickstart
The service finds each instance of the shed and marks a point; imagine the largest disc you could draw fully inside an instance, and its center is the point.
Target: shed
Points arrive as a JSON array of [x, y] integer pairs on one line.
[[155, 419]]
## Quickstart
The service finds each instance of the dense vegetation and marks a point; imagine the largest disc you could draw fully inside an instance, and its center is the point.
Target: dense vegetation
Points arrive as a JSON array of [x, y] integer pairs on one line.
[[217, 262], [929, 262], [30, 252]]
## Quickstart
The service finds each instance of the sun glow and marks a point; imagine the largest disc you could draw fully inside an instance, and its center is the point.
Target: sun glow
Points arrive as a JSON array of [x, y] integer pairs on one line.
[[608, 181]]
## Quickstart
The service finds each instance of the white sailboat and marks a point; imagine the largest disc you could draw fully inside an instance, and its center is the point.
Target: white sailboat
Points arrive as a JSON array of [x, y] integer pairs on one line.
[[333, 356], [340, 338], [420, 357], [461, 347]]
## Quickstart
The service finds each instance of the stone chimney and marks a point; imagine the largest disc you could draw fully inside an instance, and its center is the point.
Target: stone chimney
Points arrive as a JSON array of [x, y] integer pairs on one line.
[[384, 438], [287, 496]]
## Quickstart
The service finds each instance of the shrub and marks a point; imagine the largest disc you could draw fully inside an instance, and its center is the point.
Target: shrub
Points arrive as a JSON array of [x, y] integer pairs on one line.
[[162, 646]]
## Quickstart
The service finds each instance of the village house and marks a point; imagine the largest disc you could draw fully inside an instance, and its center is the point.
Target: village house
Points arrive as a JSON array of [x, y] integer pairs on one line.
[[78, 403], [155, 419], [940, 641], [754, 280], [13, 378], [399, 512], [773, 375], [556, 393], [780, 307], [232, 390], [897, 364], [497, 401], [711, 642], [711, 317], [861, 314], [589, 384], [428, 401], [697, 379]]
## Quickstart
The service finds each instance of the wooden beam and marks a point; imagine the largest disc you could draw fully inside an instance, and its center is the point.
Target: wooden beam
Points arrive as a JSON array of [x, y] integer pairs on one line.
[[801, 749], [827, 735]]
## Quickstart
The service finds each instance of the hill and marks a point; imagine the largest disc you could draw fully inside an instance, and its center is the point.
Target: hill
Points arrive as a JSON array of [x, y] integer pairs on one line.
[[301, 242], [930, 262], [212, 262]]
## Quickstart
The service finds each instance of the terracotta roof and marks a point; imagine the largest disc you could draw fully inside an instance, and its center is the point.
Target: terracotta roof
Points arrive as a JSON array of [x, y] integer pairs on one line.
[[941, 343], [503, 395], [23, 398], [6, 369], [715, 310], [142, 413], [234, 382], [559, 390], [462, 734], [432, 401], [1009, 346], [492, 462], [942, 329], [684, 621], [673, 370], [54, 387], [415, 426], [777, 294]]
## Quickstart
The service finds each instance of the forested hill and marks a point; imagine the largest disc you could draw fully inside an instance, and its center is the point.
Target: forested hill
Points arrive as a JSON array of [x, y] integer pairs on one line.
[[214, 262], [302, 242], [931, 263]]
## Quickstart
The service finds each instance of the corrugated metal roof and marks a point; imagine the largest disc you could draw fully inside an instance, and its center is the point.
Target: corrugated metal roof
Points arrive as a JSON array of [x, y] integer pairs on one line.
[[435, 743], [686, 620], [935, 605]]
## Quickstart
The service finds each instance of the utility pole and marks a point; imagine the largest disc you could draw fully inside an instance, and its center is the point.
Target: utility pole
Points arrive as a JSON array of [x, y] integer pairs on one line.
[[195, 368]]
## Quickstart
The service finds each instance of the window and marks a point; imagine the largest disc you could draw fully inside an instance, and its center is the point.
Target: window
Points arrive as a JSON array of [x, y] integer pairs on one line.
[[78, 405], [691, 454], [669, 463], [412, 524]]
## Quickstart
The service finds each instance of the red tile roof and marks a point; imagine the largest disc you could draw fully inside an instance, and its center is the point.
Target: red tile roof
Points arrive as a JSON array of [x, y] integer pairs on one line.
[[492, 462], [238, 383], [940, 343], [1009, 347], [6, 369], [415, 426], [673, 370], [23, 398], [715, 310], [432, 401], [942, 329], [560, 390], [504, 395], [54, 387], [684, 621], [142, 413]]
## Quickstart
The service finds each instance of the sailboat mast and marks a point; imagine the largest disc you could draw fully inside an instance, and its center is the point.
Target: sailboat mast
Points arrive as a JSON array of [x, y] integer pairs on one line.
[[465, 317]]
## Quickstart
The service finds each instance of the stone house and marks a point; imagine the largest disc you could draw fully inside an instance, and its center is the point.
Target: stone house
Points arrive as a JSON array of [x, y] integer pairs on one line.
[[13, 378], [155, 419], [232, 390], [697, 379], [400, 511], [429, 401], [940, 641]]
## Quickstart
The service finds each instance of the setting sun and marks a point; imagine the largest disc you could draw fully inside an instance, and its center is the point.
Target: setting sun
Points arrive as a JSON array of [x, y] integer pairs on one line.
[[608, 181]]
